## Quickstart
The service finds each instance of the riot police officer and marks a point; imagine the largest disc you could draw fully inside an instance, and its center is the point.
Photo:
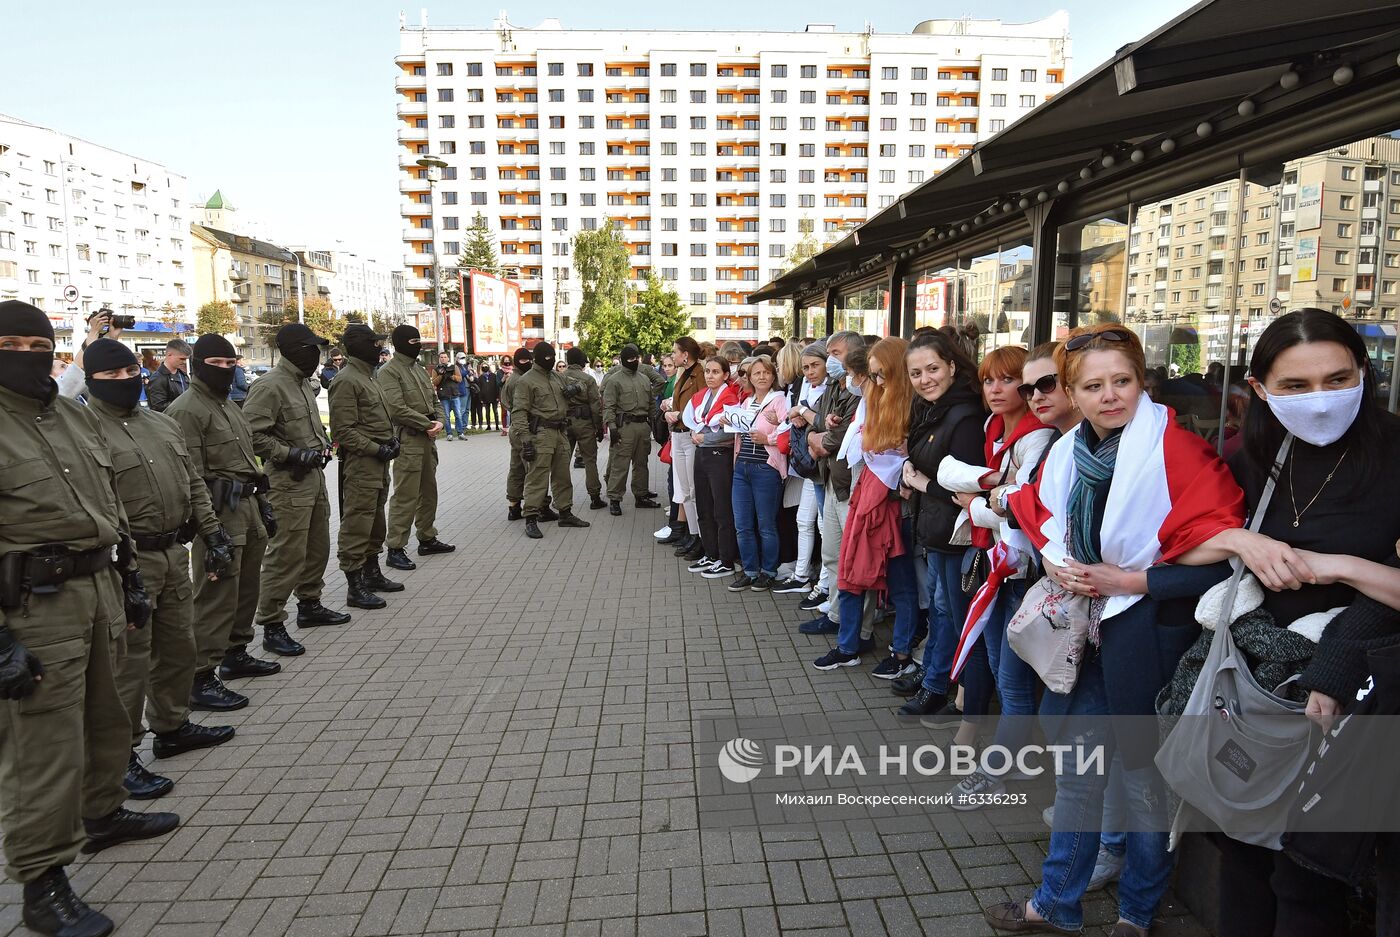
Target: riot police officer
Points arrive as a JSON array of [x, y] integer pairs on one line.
[[515, 476], [366, 444], [64, 607], [586, 421], [539, 413], [162, 496], [291, 441], [628, 399], [220, 443]]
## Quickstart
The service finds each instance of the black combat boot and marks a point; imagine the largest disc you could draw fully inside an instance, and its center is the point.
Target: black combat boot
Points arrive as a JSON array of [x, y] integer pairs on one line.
[[398, 559], [374, 580], [434, 545], [276, 640], [546, 513], [311, 613], [50, 907], [676, 535], [683, 547], [357, 595], [597, 504], [189, 737], [567, 519], [615, 508], [647, 503], [578, 461], [513, 513], [532, 529], [141, 784], [125, 826], [210, 695], [238, 662]]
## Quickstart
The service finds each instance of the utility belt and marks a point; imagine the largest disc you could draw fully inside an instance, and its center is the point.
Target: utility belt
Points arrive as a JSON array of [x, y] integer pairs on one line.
[[157, 541], [299, 471], [581, 413], [633, 418], [42, 570], [538, 423], [229, 493]]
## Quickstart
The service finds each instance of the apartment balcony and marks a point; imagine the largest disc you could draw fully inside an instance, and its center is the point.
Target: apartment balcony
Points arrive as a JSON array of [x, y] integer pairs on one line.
[[956, 137], [1160, 285], [1162, 262], [1212, 302], [413, 109], [1219, 230], [418, 283], [407, 82], [1370, 213], [1365, 296], [411, 233], [415, 259], [1217, 255], [409, 160], [410, 208], [1285, 269], [413, 134], [1215, 278], [413, 185], [1164, 241], [1372, 185], [410, 58], [1365, 268]]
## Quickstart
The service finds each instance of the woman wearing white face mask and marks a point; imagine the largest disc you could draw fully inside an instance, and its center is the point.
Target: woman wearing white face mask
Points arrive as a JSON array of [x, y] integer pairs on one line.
[[1334, 516]]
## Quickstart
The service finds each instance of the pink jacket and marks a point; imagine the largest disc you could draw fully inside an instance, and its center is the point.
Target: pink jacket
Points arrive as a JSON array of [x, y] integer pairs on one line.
[[774, 412]]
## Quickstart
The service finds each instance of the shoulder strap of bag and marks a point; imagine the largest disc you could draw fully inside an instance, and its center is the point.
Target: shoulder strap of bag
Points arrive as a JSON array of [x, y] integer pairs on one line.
[[1227, 610]]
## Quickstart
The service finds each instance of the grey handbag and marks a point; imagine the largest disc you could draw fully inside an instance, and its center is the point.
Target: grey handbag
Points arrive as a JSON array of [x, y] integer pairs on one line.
[[1238, 750]]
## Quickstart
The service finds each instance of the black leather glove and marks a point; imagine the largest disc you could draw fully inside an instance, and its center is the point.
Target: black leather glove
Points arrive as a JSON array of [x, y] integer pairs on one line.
[[614, 436], [269, 519], [387, 451], [307, 457], [134, 599], [218, 552], [527, 452], [187, 531], [19, 669], [600, 435]]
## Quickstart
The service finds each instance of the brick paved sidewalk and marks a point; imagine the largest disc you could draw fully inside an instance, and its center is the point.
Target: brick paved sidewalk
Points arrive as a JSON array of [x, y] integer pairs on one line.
[[507, 749]]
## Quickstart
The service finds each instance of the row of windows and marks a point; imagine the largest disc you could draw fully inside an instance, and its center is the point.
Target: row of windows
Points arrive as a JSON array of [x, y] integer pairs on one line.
[[701, 70], [886, 150], [837, 125], [668, 96]]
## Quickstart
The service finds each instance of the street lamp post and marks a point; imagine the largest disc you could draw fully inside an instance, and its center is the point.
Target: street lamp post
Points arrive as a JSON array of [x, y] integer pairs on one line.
[[434, 168]]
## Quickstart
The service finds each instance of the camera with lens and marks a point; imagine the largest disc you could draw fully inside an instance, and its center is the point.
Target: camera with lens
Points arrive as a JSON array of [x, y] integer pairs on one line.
[[123, 322], [444, 369]]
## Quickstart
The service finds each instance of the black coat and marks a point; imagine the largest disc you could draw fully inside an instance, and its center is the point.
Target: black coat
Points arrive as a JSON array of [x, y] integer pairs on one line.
[[951, 425], [489, 383], [164, 388]]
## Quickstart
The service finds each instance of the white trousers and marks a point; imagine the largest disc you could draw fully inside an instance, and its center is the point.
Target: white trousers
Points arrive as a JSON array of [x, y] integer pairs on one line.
[[683, 475]]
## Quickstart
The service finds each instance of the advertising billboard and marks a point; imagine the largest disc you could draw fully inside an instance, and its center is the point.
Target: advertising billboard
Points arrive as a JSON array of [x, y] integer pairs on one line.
[[1305, 260], [931, 302], [1309, 206], [494, 312]]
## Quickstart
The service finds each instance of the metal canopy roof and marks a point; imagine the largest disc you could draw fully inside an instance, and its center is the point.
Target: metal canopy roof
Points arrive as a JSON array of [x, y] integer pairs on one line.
[[1202, 63]]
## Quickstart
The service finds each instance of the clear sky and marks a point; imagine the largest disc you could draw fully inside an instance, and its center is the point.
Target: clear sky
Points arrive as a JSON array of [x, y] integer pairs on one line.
[[288, 106]]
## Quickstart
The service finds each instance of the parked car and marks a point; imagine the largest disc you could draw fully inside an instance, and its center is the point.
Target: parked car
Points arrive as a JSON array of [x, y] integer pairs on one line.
[[257, 371]]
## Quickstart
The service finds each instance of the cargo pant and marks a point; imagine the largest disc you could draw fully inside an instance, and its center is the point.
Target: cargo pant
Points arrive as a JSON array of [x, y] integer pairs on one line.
[[224, 609], [364, 491], [587, 436], [157, 673], [549, 471], [64, 749], [630, 451], [296, 557], [414, 502], [515, 476]]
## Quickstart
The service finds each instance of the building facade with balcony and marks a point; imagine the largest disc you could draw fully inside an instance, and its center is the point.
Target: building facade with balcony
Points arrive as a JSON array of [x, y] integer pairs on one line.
[[251, 274], [712, 152], [112, 225]]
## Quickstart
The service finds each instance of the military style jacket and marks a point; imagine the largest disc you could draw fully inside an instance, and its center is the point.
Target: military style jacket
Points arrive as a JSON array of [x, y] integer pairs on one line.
[[589, 397], [627, 392], [220, 443], [408, 393], [281, 411], [156, 480], [359, 417], [538, 394]]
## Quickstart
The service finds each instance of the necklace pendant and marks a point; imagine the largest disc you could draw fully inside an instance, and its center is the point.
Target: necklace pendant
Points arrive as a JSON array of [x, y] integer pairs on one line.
[[1295, 522]]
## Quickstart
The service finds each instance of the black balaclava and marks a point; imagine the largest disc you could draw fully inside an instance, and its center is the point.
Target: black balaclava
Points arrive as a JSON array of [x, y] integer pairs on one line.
[[576, 356], [407, 341], [301, 346], [544, 356], [124, 393], [631, 356], [218, 380], [362, 343], [27, 372], [523, 360]]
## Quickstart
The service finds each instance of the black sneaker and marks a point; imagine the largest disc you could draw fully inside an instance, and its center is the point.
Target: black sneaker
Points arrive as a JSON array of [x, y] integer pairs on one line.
[[814, 599], [908, 684], [125, 826], [819, 625], [547, 513], [142, 784], [948, 715], [718, 571], [867, 645], [51, 907], [785, 586], [836, 658], [892, 668], [740, 582], [763, 583], [700, 565], [923, 703], [189, 737]]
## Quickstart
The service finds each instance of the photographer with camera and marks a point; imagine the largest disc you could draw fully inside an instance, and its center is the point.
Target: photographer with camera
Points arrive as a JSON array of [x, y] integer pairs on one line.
[[103, 323], [171, 378], [447, 383]]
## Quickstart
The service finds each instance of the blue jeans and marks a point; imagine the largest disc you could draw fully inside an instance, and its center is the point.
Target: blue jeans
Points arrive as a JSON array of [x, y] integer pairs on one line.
[[1016, 680], [946, 614], [901, 583], [758, 493], [452, 409], [1115, 810], [1074, 843]]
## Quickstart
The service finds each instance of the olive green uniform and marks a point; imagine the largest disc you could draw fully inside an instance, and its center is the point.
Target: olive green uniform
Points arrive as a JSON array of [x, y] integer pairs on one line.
[[64, 748], [538, 404], [159, 491], [281, 411], [359, 424], [413, 407], [628, 399], [586, 420], [221, 447], [515, 476]]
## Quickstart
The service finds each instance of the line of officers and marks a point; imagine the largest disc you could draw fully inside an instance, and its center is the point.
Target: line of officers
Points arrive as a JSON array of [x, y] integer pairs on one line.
[[551, 413], [104, 614]]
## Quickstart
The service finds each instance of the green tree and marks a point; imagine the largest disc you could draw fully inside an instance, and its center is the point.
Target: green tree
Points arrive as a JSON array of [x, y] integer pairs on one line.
[[602, 261], [657, 319], [1187, 357], [216, 318], [478, 253]]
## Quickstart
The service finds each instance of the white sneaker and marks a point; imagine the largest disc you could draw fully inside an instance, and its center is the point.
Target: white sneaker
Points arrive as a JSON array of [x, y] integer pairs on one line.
[[718, 571], [663, 533], [972, 791], [1107, 868]]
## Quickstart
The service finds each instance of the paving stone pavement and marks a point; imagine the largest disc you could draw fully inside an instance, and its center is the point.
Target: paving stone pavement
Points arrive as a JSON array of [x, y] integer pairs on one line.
[[507, 749]]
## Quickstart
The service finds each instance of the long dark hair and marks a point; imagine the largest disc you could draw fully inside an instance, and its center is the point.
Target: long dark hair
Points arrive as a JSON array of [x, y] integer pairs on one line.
[[951, 351], [1263, 433]]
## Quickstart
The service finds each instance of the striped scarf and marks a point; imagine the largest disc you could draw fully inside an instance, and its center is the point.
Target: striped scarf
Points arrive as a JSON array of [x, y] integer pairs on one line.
[[1094, 473]]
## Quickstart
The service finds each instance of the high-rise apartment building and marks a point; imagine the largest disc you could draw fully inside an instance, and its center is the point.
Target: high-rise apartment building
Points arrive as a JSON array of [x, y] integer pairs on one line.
[[363, 285], [110, 225], [713, 152]]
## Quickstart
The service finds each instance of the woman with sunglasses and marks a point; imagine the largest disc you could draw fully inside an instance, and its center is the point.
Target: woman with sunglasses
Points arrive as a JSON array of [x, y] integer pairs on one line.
[[1126, 491]]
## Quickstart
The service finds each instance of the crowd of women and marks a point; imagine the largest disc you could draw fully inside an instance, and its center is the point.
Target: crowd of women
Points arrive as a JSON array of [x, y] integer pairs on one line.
[[873, 478]]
